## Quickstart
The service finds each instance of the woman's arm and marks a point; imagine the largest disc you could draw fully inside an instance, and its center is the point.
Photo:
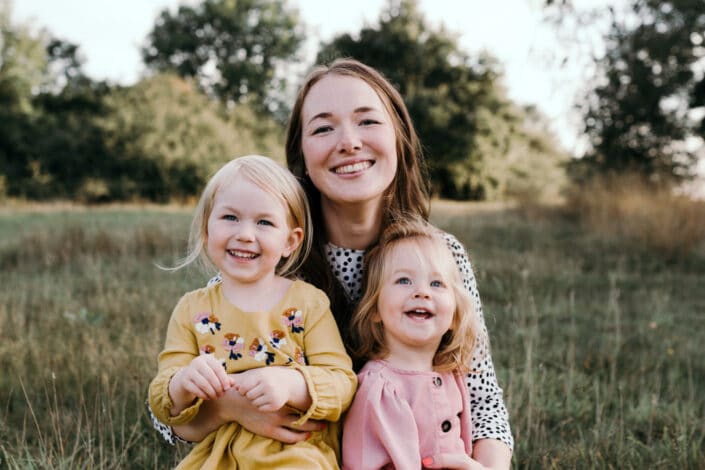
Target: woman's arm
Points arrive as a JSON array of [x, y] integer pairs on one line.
[[232, 407], [492, 453], [490, 420]]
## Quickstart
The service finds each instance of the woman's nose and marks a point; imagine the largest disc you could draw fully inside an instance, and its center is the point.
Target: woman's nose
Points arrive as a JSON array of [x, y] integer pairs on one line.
[[349, 140]]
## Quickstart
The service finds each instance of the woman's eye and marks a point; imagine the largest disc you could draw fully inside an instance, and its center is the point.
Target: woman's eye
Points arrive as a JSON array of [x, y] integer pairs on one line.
[[368, 122], [321, 130], [403, 280]]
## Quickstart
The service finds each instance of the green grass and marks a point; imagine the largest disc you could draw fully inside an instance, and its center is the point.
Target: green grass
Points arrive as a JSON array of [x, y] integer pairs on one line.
[[597, 342]]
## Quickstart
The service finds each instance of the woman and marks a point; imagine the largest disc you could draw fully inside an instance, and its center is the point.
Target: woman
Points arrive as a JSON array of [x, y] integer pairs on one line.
[[351, 142]]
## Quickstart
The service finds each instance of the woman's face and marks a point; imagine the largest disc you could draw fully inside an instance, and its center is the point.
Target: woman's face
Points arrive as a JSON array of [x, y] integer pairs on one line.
[[348, 141]]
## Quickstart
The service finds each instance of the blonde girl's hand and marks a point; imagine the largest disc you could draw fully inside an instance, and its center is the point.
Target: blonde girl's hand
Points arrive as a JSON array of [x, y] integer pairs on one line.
[[233, 407], [270, 388], [203, 378], [265, 387]]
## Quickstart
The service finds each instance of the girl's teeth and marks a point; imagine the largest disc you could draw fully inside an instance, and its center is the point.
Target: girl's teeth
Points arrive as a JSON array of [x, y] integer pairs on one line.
[[242, 254]]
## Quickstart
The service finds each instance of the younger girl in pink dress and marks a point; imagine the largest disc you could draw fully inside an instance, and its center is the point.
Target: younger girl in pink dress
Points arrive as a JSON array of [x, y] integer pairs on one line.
[[416, 327]]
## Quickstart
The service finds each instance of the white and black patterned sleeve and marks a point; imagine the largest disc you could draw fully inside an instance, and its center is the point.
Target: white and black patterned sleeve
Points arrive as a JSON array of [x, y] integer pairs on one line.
[[489, 415]]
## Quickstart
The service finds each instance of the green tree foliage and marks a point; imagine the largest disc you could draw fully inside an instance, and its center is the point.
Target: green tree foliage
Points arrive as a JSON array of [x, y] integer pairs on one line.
[[456, 103], [23, 68], [231, 47], [639, 116], [48, 140], [521, 159], [166, 137], [64, 135]]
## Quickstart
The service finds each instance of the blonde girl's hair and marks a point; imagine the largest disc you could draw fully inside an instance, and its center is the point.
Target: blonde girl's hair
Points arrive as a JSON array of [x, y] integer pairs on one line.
[[455, 351], [271, 177]]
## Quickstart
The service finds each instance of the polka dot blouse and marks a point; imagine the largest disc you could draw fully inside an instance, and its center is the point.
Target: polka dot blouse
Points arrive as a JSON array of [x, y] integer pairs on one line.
[[489, 415]]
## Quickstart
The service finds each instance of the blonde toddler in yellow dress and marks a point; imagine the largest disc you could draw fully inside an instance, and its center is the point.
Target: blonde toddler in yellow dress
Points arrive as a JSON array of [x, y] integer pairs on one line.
[[252, 224]]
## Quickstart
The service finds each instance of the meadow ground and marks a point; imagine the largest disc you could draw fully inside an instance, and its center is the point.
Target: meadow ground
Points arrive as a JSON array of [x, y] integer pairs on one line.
[[597, 336]]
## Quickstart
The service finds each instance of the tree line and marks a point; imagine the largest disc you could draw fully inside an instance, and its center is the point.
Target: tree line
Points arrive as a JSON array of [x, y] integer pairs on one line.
[[215, 89]]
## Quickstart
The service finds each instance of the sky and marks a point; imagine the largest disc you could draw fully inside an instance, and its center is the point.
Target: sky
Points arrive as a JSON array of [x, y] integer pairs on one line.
[[110, 33]]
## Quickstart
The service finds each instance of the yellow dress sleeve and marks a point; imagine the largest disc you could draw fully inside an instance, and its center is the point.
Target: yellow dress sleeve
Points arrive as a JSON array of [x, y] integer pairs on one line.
[[179, 350], [329, 376]]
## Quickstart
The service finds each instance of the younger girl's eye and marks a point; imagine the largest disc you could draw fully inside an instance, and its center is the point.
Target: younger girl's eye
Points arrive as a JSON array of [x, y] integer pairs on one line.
[[403, 281], [265, 222], [437, 283], [229, 217]]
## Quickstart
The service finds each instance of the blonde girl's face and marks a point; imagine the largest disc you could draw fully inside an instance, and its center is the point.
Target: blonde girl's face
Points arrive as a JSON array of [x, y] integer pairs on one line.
[[249, 232], [348, 140], [416, 302]]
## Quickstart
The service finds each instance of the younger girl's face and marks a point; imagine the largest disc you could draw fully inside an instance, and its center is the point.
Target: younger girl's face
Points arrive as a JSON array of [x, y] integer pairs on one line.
[[416, 302], [348, 140], [249, 232]]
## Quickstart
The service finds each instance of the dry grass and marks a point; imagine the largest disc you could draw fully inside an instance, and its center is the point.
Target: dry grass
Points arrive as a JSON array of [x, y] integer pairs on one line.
[[627, 208], [592, 340]]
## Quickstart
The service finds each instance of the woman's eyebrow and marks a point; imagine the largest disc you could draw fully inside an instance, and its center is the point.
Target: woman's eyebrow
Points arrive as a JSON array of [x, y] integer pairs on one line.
[[323, 115], [364, 109], [326, 114]]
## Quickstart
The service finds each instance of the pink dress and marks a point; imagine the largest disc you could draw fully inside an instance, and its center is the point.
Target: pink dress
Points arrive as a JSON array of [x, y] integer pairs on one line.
[[399, 417]]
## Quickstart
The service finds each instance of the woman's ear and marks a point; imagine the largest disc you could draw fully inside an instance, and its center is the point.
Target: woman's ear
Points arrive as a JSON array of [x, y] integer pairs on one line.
[[296, 236]]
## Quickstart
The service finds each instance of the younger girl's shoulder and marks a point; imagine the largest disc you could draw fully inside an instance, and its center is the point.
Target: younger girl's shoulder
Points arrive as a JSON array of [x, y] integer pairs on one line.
[[375, 375]]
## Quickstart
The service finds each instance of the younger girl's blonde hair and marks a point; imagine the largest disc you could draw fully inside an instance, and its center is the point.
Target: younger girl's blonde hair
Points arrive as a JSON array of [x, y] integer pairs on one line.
[[271, 177], [455, 350]]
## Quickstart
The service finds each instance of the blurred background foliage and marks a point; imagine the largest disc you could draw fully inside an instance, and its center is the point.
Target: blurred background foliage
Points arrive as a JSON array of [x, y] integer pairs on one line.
[[219, 83]]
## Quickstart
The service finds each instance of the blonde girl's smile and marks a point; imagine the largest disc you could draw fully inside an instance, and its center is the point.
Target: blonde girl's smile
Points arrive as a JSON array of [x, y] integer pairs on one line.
[[248, 232], [239, 254]]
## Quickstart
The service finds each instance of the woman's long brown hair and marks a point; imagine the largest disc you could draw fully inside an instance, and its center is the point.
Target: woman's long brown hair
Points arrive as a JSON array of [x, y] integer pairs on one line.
[[408, 193]]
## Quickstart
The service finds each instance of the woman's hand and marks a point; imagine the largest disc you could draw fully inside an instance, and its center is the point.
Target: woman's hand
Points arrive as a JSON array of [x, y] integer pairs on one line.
[[232, 406]]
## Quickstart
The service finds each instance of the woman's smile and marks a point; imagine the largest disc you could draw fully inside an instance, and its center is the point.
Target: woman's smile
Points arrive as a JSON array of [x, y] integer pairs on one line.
[[348, 141]]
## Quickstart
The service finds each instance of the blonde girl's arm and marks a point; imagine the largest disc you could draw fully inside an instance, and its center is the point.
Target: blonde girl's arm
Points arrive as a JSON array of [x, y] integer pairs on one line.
[[175, 404], [329, 378]]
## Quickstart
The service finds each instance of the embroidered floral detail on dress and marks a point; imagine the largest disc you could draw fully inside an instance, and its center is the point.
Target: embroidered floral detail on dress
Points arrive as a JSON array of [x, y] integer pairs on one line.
[[210, 349], [235, 344], [293, 318], [206, 323], [277, 339], [258, 350], [300, 357]]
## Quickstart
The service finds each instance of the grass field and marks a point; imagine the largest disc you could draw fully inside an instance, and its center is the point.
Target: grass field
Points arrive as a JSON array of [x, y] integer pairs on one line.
[[597, 338]]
